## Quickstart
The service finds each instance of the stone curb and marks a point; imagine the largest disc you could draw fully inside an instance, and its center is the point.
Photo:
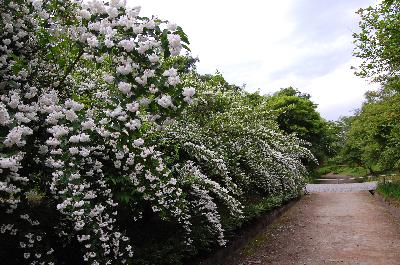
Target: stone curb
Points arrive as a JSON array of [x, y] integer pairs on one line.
[[222, 256]]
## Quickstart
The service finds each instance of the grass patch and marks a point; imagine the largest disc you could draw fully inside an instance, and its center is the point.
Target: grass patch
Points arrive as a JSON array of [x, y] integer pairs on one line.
[[352, 171], [390, 188], [357, 172]]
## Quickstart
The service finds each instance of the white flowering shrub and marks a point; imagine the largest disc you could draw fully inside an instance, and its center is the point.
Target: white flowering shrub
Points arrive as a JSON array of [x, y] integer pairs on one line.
[[80, 84], [239, 143], [97, 144], [236, 146]]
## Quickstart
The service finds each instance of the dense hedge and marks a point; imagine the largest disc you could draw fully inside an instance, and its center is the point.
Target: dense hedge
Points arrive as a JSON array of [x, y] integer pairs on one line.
[[113, 151]]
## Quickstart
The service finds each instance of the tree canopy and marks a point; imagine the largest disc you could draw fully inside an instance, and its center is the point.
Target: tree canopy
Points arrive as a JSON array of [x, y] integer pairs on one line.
[[372, 135], [378, 42], [298, 114]]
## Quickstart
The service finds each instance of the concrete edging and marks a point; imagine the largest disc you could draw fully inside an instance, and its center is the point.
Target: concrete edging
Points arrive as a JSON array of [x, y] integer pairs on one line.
[[221, 256]]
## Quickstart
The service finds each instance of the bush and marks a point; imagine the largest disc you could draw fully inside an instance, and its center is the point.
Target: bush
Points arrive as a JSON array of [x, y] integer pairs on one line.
[[102, 161], [390, 188]]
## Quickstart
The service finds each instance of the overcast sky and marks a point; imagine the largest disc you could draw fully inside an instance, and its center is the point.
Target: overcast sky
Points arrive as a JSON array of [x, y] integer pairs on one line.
[[268, 45]]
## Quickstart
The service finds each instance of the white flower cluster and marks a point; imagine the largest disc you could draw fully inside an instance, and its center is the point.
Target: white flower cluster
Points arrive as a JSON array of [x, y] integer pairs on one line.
[[239, 142], [72, 116]]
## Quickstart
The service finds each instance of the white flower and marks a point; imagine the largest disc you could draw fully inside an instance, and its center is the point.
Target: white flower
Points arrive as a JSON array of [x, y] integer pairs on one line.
[[117, 3], [58, 131], [153, 89], [109, 43], [173, 80], [112, 12], [171, 26], [124, 69], [108, 78], [172, 181], [144, 101], [83, 237], [8, 162], [54, 116], [133, 124], [175, 45], [83, 137], [138, 142], [43, 149], [164, 101], [53, 142], [92, 41], [153, 58], [174, 40], [70, 115], [37, 4], [188, 92], [188, 100], [73, 105], [170, 72], [16, 134], [85, 14], [84, 152], [79, 204], [151, 24], [21, 118], [74, 150], [88, 125], [7, 42], [79, 225], [128, 45], [132, 107], [124, 87], [4, 116]]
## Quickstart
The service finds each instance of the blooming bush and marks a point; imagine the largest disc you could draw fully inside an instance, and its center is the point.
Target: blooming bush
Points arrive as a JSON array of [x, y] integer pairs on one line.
[[80, 84], [233, 143], [97, 140], [238, 142]]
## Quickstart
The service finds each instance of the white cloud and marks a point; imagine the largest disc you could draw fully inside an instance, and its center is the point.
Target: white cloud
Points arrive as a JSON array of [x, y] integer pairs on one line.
[[260, 43], [339, 92]]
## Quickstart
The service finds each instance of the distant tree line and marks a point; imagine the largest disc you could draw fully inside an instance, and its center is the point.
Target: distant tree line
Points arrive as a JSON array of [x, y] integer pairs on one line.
[[371, 137]]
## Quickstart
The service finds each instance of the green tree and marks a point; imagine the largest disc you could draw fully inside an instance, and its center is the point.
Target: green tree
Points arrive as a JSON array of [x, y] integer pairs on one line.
[[373, 139], [297, 114], [378, 42]]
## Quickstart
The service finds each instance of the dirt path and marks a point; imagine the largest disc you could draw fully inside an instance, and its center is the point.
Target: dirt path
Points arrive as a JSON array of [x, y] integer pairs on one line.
[[328, 228]]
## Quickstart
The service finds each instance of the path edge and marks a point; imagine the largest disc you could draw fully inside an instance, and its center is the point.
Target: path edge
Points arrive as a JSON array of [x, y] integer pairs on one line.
[[223, 256], [392, 205]]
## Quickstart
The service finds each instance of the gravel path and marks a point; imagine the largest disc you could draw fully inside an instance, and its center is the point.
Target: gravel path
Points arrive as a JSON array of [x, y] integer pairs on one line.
[[347, 187], [351, 228]]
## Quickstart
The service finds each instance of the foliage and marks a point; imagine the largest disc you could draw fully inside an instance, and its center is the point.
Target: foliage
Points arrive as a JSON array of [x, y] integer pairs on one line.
[[378, 42], [298, 114], [245, 136], [102, 161], [220, 134], [390, 189], [373, 138], [345, 170]]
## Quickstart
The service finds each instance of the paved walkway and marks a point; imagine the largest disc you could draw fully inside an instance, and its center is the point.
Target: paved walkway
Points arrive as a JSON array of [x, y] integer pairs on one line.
[[328, 228], [345, 187]]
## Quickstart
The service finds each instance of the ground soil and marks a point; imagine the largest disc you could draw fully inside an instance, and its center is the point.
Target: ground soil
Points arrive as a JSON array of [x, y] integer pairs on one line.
[[328, 228]]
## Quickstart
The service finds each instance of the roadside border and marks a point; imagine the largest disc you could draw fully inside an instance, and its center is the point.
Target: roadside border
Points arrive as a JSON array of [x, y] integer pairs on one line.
[[392, 205], [223, 255]]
